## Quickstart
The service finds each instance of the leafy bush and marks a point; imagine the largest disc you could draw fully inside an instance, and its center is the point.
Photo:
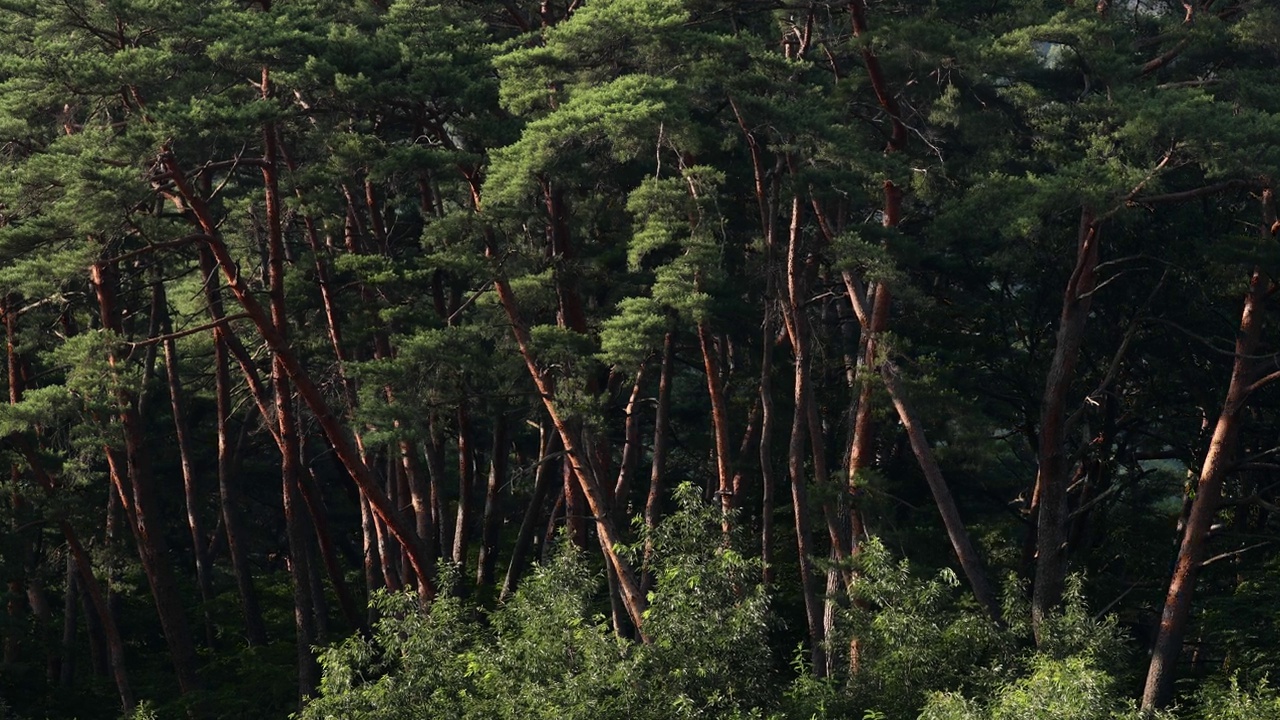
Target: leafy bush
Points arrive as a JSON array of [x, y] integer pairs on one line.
[[549, 653]]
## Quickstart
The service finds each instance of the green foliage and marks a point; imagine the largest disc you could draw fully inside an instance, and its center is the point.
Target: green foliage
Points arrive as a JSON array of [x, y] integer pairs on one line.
[[548, 653], [1229, 701]]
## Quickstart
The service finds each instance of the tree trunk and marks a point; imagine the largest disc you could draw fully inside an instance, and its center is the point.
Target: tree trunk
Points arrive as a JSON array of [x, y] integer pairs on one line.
[[580, 466], [191, 494], [719, 422], [143, 508], [767, 481], [657, 470], [1051, 552], [492, 519], [543, 481], [287, 424], [970, 562], [229, 498], [1217, 462], [793, 316], [631, 450], [311, 395], [466, 487]]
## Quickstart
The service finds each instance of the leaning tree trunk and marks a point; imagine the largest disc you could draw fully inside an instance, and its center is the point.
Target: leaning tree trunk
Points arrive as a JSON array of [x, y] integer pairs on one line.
[[970, 561], [1217, 462], [143, 508], [336, 434]]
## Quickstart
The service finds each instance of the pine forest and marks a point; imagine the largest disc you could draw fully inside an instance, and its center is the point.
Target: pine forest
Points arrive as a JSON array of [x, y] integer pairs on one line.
[[640, 359]]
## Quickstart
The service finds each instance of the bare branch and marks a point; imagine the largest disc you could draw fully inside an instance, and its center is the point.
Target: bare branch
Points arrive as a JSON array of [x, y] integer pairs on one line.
[[1189, 194], [1235, 553], [189, 331]]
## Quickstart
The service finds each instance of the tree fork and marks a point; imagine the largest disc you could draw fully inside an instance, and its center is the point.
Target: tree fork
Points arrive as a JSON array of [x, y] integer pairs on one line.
[[1051, 481]]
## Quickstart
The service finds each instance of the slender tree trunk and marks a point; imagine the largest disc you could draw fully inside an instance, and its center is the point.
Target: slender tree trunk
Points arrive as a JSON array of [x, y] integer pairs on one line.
[[1051, 552], [492, 518], [544, 477], [606, 529], [575, 514], [229, 497], [466, 487], [719, 421], [311, 395], [631, 450], [793, 316], [969, 559], [143, 509], [287, 423], [372, 561], [191, 494], [435, 470], [657, 470], [767, 481], [1176, 615]]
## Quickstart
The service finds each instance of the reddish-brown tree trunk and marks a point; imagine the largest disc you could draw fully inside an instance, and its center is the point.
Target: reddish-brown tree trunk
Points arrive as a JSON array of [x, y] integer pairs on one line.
[[719, 421], [287, 424], [631, 450], [311, 395], [143, 507], [580, 465], [1176, 614], [1051, 551]]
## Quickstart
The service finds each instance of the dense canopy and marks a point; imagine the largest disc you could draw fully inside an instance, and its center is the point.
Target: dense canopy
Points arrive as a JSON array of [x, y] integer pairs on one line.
[[640, 359]]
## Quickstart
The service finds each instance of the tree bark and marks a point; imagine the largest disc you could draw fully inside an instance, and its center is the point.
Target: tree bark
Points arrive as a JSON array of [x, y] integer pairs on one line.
[[1051, 552], [466, 486], [1176, 614], [793, 316], [580, 465], [229, 497], [492, 517], [970, 561], [658, 464], [287, 424], [191, 494], [307, 389], [143, 508], [719, 421]]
